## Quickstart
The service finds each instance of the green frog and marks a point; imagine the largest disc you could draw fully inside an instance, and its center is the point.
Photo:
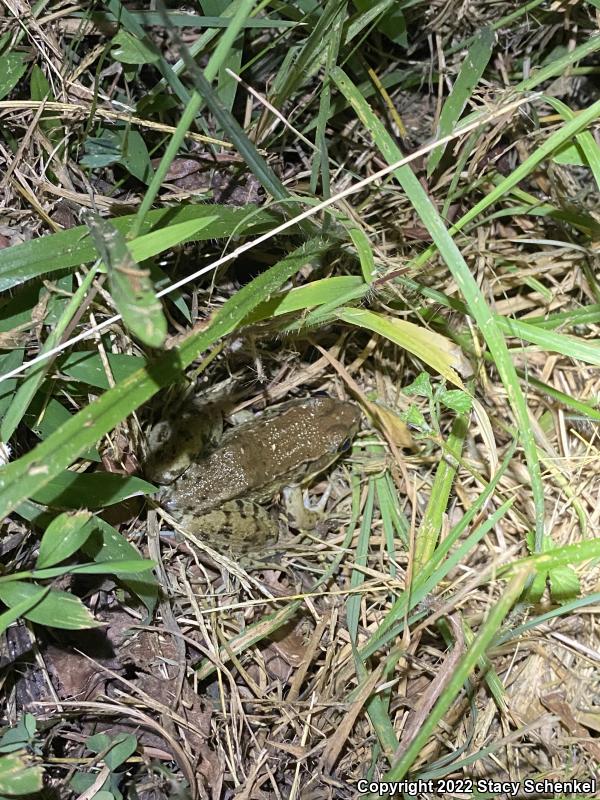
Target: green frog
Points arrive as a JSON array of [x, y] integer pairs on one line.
[[217, 495]]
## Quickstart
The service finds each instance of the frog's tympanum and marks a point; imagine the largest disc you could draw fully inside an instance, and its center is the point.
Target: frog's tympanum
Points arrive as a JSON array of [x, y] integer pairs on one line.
[[217, 496]]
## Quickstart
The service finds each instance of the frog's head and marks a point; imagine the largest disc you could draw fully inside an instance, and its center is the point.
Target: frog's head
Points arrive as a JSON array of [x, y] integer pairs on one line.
[[334, 424]]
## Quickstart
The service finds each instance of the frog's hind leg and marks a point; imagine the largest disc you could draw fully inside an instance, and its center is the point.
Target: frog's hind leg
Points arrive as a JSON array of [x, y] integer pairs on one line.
[[237, 527]]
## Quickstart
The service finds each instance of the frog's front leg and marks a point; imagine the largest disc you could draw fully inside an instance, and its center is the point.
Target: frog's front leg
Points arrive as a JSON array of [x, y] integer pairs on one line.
[[301, 515]]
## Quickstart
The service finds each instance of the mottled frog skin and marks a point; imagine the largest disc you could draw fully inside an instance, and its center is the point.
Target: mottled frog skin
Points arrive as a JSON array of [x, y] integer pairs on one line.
[[218, 495]]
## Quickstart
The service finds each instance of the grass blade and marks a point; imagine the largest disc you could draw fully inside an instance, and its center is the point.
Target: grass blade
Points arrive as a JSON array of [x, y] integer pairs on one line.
[[73, 247], [476, 60]]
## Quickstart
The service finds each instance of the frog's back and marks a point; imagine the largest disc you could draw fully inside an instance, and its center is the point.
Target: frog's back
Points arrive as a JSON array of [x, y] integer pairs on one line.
[[288, 445]]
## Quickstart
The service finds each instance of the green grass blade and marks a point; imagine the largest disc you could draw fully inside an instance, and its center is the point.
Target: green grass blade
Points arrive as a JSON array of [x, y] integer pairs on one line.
[[130, 23], [192, 108], [434, 571], [474, 299], [542, 152], [471, 70], [564, 556], [428, 532], [432, 348], [467, 664], [70, 248], [310, 55], [585, 139], [439, 565], [191, 20], [558, 66], [236, 134], [353, 603], [316, 293], [571, 346], [321, 153]]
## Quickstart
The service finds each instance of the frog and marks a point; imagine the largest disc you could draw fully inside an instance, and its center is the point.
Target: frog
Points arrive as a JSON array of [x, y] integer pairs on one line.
[[220, 495]]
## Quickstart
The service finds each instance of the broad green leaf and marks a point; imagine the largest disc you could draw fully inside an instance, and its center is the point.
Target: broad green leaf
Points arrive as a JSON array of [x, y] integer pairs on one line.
[[105, 545], [20, 609], [19, 735], [123, 146], [57, 609], [98, 742], [8, 362], [536, 589], [45, 415], [564, 584], [63, 537], [38, 84], [83, 781], [563, 580], [121, 747], [414, 417], [130, 284], [88, 367], [456, 400], [90, 489], [432, 348], [136, 158], [102, 150], [17, 311], [421, 386], [12, 69], [19, 775], [130, 50]]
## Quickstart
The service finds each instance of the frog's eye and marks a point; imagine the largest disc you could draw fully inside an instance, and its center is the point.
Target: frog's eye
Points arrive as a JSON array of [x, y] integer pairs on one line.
[[345, 445]]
